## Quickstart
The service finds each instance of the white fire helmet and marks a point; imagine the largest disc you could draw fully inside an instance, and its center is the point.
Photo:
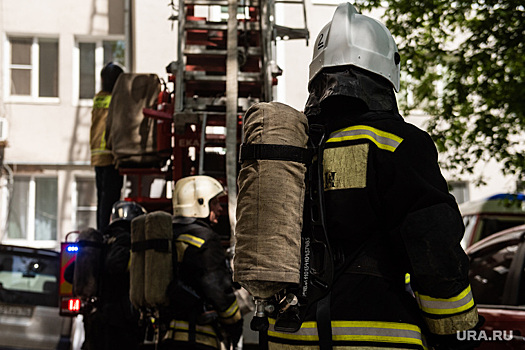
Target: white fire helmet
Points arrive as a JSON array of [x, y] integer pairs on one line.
[[357, 40], [192, 194]]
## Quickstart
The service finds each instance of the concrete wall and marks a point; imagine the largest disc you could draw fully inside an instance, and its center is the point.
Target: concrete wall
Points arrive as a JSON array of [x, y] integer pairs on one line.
[[155, 40]]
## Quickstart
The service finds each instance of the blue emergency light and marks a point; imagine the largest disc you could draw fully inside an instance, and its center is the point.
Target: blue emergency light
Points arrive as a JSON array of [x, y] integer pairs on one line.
[[72, 248]]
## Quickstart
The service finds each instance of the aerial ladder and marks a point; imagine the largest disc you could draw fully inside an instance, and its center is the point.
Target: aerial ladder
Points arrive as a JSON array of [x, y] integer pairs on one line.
[[225, 63]]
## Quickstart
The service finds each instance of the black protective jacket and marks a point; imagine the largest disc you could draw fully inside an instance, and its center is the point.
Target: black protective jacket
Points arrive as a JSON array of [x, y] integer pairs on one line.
[[388, 213], [114, 324], [205, 303]]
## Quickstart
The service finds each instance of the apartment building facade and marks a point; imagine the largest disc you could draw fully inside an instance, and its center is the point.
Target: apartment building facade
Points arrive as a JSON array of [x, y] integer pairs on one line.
[[51, 55]]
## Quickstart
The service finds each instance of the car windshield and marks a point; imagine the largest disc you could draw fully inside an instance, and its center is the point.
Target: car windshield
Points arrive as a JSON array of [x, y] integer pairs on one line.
[[28, 279]]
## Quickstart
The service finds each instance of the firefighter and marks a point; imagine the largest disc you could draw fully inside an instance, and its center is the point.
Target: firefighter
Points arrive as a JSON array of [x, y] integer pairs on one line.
[[119, 320], [110, 322], [388, 209], [203, 302], [108, 180]]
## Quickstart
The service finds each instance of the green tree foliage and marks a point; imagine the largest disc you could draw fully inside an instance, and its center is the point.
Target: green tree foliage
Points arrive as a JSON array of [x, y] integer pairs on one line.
[[465, 62]]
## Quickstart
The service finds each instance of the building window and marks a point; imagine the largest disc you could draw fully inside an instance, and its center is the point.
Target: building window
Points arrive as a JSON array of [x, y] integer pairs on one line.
[[33, 209], [92, 57], [460, 191], [33, 67], [86, 203]]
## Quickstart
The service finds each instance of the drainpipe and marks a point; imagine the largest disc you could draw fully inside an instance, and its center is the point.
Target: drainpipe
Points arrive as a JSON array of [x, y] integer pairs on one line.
[[128, 33]]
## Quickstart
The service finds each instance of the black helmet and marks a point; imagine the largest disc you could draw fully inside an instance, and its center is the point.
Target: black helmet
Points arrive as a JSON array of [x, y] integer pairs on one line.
[[109, 75], [123, 210]]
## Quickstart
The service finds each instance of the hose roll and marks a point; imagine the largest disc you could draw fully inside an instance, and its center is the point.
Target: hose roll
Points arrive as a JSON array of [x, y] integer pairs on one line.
[[158, 271], [270, 202], [136, 268]]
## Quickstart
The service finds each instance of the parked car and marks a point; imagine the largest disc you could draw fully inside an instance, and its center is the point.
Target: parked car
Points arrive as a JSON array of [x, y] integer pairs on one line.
[[29, 313], [497, 279], [487, 216]]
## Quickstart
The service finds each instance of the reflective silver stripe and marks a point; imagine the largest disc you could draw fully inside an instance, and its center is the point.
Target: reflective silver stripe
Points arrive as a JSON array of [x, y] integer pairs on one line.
[[382, 139], [367, 331], [195, 241], [461, 302]]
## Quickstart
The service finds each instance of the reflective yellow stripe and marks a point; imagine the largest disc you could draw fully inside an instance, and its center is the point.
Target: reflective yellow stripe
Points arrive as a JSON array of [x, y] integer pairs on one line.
[[230, 311], [101, 101], [308, 331], [195, 241], [407, 278], [179, 331], [184, 326], [369, 331], [381, 139], [103, 141], [461, 302]]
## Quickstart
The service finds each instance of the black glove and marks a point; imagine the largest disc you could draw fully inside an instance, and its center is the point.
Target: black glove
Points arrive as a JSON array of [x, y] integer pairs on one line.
[[233, 333], [465, 340]]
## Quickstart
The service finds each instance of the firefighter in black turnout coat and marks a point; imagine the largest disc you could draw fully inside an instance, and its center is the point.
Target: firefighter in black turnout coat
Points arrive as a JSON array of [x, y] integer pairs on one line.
[[388, 209], [205, 307], [119, 321], [110, 321]]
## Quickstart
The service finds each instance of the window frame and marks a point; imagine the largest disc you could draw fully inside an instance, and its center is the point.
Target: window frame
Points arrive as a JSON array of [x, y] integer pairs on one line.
[[34, 67], [31, 219], [460, 190], [514, 282], [485, 256], [99, 64], [76, 207]]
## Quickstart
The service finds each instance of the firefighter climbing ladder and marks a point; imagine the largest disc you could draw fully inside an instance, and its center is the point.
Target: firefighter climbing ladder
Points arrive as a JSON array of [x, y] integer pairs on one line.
[[225, 63]]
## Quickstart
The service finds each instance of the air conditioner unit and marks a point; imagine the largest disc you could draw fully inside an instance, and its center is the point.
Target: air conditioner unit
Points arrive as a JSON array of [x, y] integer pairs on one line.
[[3, 129]]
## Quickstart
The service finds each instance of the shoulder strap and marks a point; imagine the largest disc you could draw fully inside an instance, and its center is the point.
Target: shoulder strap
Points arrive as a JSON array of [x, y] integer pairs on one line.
[[160, 245], [274, 152]]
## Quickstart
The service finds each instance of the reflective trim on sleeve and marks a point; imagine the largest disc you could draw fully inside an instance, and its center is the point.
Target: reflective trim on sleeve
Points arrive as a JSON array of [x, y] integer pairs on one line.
[[436, 306], [230, 311], [357, 331], [99, 151], [190, 239], [382, 139]]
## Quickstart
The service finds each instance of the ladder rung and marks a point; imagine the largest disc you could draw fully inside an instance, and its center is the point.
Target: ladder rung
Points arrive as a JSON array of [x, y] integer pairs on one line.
[[210, 105], [201, 76], [299, 2], [219, 26], [292, 33], [218, 2], [202, 50]]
